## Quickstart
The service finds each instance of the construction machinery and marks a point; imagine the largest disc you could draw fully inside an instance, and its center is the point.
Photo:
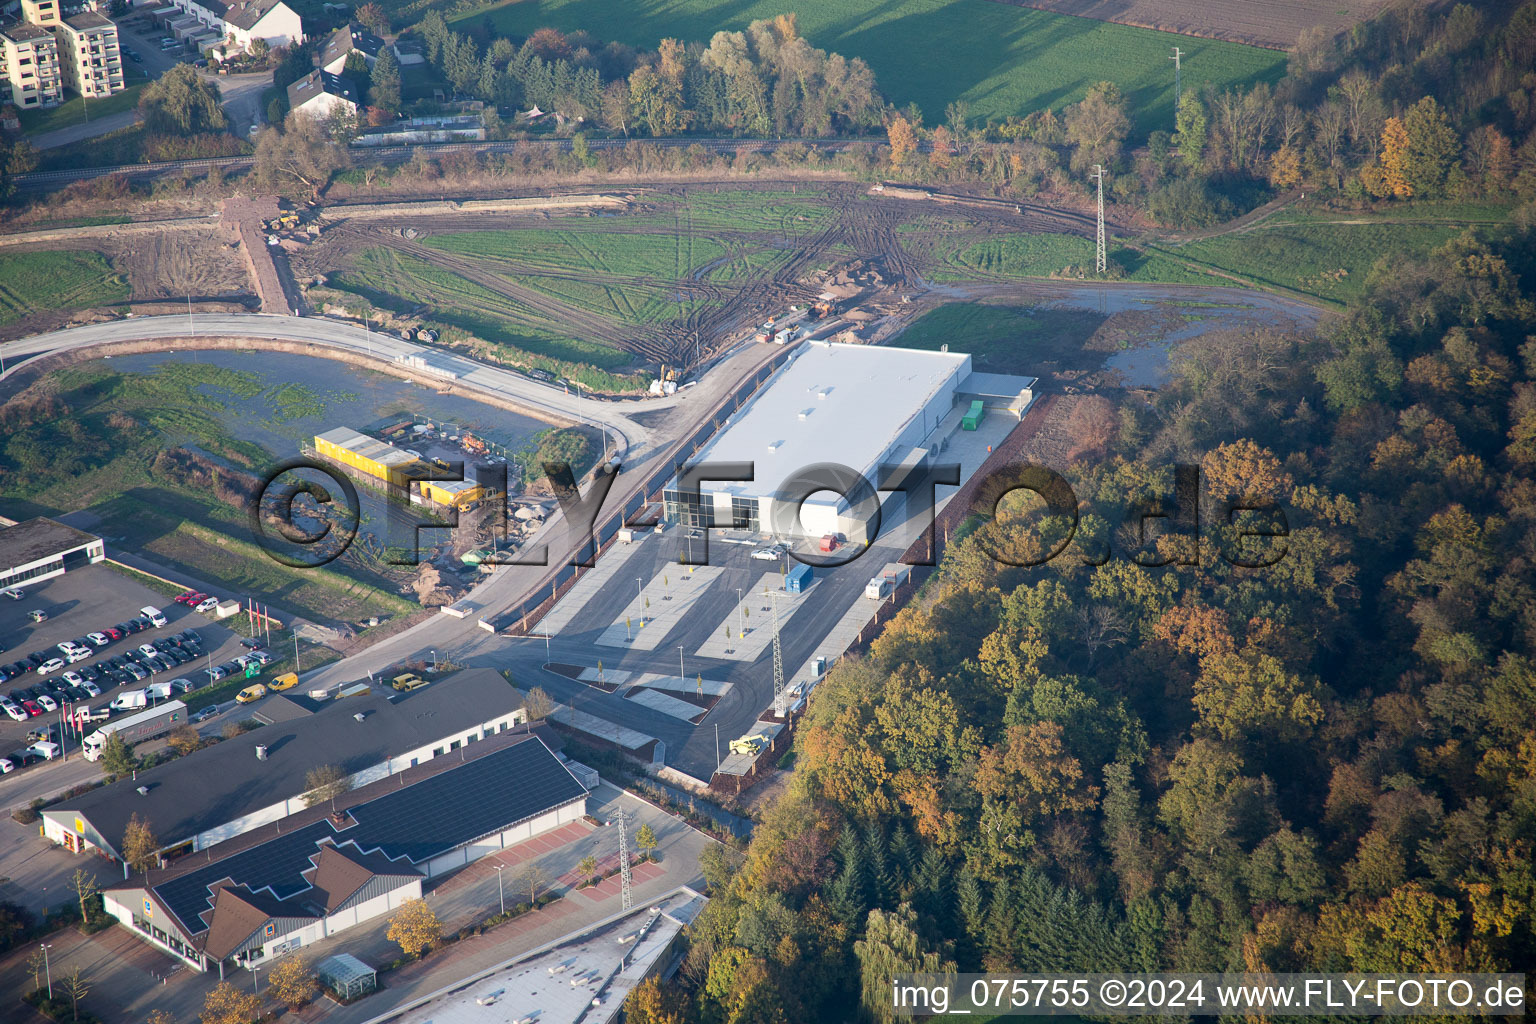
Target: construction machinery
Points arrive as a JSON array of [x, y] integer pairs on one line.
[[749, 744]]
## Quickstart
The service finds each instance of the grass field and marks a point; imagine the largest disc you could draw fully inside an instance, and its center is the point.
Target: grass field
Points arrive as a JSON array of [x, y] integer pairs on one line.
[[32, 282], [396, 280], [1327, 258], [100, 459], [1004, 60], [1002, 339], [78, 110]]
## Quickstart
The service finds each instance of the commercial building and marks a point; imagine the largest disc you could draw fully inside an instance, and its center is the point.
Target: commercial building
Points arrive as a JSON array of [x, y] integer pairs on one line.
[[457, 493], [377, 459], [220, 792], [856, 405], [89, 55], [337, 865], [415, 131], [29, 65], [40, 549], [345, 41], [320, 94]]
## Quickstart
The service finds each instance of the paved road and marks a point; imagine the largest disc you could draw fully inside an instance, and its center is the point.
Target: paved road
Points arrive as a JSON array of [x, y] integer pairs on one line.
[[85, 130]]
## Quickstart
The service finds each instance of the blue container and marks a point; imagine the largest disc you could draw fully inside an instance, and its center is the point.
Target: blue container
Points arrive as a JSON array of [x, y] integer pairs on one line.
[[799, 579]]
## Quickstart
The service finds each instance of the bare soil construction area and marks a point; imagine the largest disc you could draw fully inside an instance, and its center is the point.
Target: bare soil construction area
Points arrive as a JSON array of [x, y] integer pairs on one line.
[[1270, 23]]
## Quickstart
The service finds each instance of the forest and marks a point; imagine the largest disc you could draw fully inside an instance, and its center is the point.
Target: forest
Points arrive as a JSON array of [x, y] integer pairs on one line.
[[1162, 761]]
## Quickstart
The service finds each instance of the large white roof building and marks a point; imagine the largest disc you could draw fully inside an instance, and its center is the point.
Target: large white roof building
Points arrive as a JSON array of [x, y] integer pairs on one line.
[[859, 406]]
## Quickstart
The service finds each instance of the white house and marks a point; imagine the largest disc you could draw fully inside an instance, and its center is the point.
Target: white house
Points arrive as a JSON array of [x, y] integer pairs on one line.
[[320, 93], [344, 42], [245, 21]]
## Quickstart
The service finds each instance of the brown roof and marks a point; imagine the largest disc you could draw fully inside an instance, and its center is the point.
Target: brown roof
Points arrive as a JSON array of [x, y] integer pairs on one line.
[[338, 875], [237, 915]]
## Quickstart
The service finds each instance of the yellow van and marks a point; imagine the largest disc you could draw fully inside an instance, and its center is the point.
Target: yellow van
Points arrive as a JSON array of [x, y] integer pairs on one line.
[[251, 693], [286, 681]]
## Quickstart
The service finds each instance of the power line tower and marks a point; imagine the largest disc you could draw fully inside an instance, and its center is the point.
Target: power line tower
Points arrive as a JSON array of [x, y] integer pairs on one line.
[[1101, 259], [1178, 78], [626, 896], [780, 695]]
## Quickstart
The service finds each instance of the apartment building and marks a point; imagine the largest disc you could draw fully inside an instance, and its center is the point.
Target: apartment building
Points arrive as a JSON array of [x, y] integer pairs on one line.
[[89, 54], [30, 66]]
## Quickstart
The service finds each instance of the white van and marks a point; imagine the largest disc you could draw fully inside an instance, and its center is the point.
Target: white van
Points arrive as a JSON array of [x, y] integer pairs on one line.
[[129, 699], [153, 615], [159, 691], [44, 749]]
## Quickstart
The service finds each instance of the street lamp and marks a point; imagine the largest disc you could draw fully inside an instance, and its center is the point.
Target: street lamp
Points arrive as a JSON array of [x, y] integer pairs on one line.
[[254, 979], [48, 969], [501, 889], [681, 675], [741, 622]]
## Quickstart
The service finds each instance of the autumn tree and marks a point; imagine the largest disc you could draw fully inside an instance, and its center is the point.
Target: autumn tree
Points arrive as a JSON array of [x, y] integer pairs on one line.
[[76, 987], [227, 1004], [325, 782], [1391, 177], [184, 739], [1190, 129], [293, 981], [299, 159], [160, 1017], [645, 839], [372, 17], [587, 867], [538, 704], [652, 1002], [943, 148], [533, 881], [414, 928], [902, 138], [179, 102], [140, 847], [1097, 127], [84, 884]]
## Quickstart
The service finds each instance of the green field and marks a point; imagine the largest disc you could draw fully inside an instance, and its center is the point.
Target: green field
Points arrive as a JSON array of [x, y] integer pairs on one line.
[[1004, 60], [1324, 258], [1002, 339], [78, 110], [33, 282]]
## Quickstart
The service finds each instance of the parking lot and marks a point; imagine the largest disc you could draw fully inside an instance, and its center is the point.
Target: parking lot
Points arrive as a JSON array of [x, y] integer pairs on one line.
[[97, 599]]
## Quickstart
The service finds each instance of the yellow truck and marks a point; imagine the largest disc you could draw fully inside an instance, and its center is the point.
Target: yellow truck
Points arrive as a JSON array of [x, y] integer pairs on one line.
[[408, 682]]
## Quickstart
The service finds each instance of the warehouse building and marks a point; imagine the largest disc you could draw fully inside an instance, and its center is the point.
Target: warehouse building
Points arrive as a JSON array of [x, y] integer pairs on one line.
[[40, 549], [857, 405], [328, 868], [226, 790], [457, 493], [372, 457]]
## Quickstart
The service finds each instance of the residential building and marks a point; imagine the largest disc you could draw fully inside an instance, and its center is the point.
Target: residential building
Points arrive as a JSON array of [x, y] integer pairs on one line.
[[319, 94], [40, 549], [42, 13], [243, 22], [226, 790], [345, 41], [89, 54], [30, 66], [347, 861]]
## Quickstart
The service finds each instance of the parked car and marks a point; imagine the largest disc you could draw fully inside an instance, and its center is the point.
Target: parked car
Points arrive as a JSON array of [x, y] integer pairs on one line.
[[47, 703], [214, 674], [206, 713], [31, 707], [76, 655], [37, 615], [771, 553], [14, 593], [183, 685], [262, 657], [16, 711], [99, 639], [73, 678], [206, 605], [148, 649], [6, 766], [51, 665], [252, 643], [90, 688]]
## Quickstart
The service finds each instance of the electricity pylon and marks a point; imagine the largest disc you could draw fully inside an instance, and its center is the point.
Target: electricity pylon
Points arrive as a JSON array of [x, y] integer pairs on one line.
[[1101, 259], [626, 896], [780, 696], [1178, 78]]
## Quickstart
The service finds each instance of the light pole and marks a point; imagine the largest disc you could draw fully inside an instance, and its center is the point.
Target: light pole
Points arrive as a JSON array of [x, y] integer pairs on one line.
[[501, 889], [681, 675], [717, 746], [255, 980], [639, 600], [48, 969], [295, 651], [741, 622], [547, 657]]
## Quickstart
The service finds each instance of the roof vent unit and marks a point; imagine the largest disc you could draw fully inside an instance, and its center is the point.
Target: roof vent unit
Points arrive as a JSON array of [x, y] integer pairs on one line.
[[823, 393], [774, 446], [359, 716], [261, 751], [143, 791], [805, 413]]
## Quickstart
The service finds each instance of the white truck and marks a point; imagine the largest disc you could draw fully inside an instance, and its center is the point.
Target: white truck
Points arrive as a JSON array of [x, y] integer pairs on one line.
[[145, 725]]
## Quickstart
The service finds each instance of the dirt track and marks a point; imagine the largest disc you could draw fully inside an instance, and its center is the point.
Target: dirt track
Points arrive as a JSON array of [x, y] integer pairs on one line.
[[1271, 23]]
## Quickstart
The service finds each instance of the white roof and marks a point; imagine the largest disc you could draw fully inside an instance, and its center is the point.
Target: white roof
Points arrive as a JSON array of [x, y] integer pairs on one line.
[[832, 403]]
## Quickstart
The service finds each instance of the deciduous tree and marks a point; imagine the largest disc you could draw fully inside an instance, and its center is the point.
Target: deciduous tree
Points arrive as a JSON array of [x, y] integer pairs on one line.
[[140, 847], [414, 928], [902, 138], [293, 981], [227, 1004], [325, 782], [179, 102]]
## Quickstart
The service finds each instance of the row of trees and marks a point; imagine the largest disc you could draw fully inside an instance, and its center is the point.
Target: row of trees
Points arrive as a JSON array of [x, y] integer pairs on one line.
[[766, 80]]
